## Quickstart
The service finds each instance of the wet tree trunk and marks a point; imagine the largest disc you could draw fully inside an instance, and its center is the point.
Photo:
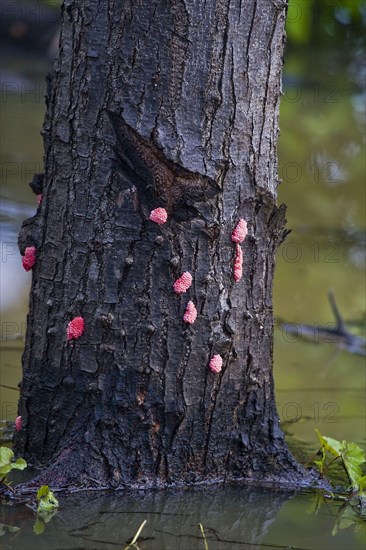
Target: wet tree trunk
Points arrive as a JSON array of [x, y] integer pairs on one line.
[[157, 104]]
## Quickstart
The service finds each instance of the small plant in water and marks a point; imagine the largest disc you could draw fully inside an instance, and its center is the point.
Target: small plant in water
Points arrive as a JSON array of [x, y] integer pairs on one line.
[[46, 508], [352, 458], [7, 464], [47, 502]]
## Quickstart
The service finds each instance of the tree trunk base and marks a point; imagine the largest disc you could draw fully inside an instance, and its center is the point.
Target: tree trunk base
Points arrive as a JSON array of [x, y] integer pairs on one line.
[[72, 473]]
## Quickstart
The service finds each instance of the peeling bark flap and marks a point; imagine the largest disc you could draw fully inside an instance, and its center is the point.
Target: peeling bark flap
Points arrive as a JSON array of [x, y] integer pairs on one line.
[[159, 180]]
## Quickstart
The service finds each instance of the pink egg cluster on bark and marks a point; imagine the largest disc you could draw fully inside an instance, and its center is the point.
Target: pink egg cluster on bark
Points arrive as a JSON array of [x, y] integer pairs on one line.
[[29, 258], [159, 215], [18, 423], [190, 314], [183, 283], [75, 328], [238, 263], [240, 231], [216, 363]]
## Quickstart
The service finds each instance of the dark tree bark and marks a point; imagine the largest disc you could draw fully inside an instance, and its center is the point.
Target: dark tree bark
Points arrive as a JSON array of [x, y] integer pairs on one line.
[[157, 104]]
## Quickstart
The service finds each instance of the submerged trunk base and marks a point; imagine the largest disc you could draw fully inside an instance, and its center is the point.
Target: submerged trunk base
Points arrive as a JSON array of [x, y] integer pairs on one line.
[[73, 471]]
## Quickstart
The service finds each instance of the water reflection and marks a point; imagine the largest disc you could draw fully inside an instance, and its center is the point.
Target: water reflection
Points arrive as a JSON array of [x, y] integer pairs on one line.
[[232, 517]]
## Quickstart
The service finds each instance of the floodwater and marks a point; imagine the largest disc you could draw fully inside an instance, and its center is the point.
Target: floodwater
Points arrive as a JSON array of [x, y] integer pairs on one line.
[[321, 151], [233, 518]]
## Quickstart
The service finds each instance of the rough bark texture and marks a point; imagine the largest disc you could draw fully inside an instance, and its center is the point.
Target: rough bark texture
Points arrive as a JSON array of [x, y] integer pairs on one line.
[[171, 104]]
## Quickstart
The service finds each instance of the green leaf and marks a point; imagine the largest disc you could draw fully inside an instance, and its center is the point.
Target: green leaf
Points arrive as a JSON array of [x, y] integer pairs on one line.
[[46, 500], [46, 505], [353, 456], [39, 527], [5, 470], [331, 445], [362, 484], [19, 464], [6, 464], [42, 492], [6, 456]]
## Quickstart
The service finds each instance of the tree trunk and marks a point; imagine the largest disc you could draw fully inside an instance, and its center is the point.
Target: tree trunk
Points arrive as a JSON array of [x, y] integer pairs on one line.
[[171, 105]]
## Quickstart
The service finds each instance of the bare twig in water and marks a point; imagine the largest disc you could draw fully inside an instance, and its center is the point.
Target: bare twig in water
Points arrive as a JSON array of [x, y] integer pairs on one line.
[[133, 541], [203, 534]]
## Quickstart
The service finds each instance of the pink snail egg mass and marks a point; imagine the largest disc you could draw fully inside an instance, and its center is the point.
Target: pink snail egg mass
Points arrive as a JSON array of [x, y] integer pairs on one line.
[[190, 314], [240, 231], [75, 328], [159, 216], [183, 283], [29, 258], [216, 364]]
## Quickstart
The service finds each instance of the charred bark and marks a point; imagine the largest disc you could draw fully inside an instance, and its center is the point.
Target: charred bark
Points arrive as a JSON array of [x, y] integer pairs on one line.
[[170, 104]]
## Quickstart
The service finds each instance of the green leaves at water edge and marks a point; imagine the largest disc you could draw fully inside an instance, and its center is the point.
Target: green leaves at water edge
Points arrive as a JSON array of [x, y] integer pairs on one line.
[[46, 500], [6, 462], [6, 456], [352, 457], [332, 445], [47, 506]]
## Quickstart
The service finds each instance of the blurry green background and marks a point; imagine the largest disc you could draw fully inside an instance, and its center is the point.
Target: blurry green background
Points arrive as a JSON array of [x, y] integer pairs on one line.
[[322, 165]]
